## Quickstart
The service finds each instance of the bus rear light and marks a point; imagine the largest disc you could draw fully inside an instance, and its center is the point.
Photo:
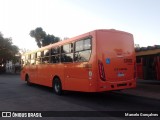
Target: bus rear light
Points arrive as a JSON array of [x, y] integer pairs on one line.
[[101, 71]]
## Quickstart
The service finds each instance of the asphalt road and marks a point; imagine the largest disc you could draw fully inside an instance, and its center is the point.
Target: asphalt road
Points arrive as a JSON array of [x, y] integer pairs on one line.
[[15, 95]]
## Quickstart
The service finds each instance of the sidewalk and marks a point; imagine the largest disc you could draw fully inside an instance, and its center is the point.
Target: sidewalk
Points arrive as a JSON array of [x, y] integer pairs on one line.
[[145, 88]]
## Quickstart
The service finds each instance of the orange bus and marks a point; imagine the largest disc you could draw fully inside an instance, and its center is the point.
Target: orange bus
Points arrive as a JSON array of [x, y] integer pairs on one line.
[[100, 60]]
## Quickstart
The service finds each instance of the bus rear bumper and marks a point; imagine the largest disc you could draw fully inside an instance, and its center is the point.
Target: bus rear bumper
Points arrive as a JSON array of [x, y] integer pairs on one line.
[[120, 85]]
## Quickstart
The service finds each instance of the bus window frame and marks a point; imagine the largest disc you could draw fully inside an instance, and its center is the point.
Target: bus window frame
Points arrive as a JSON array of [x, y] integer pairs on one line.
[[71, 51], [59, 54], [33, 57], [27, 59], [91, 48]]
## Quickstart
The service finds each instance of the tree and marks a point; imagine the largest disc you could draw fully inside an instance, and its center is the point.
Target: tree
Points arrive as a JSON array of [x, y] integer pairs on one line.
[[7, 49], [41, 38]]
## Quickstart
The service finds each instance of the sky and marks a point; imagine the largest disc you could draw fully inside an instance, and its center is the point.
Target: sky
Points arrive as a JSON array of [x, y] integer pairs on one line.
[[69, 18]]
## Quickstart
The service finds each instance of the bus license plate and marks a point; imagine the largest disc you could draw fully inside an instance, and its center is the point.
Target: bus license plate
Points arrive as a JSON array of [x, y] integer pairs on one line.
[[120, 74]]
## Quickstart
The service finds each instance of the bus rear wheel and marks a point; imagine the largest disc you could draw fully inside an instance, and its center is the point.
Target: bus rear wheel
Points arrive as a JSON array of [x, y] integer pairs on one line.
[[28, 81], [57, 86]]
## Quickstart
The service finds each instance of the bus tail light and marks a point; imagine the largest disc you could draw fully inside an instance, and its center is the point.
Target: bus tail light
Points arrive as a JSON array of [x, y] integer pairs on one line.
[[101, 71]]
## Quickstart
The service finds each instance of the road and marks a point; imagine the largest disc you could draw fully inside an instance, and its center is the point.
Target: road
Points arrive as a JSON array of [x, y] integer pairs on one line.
[[15, 95]]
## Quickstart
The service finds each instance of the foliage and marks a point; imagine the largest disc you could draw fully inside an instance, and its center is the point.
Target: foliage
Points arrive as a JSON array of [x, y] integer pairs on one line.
[[41, 38], [7, 49]]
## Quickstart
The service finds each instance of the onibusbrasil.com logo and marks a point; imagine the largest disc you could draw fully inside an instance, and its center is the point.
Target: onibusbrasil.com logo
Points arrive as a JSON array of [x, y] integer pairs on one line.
[[21, 114]]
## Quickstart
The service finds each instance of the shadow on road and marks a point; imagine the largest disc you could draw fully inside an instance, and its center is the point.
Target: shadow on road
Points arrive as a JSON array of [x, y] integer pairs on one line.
[[112, 101]]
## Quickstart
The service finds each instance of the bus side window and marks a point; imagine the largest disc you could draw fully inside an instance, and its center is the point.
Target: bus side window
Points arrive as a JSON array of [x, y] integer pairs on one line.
[[23, 60], [87, 44], [28, 59], [46, 56], [55, 55], [42, 57], [32, 58], [79, 45], [38, 60], [82, 56], [82, 50], [67, 53]]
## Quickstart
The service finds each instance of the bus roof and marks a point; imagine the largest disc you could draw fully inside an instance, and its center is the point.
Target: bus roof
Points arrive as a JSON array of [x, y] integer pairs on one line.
[[75, 38]]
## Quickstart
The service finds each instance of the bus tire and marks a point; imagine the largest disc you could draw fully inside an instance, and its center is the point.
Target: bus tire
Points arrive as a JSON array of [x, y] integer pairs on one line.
[[28, 81], [57, 86]]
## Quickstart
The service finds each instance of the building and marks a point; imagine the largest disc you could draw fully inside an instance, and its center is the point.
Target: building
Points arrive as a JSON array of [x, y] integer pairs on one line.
[[11, 67], [148, 62]]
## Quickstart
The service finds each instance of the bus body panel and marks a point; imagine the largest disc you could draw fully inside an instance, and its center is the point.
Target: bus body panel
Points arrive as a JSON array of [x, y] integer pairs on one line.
[[76, 77], [33, 70], [116, 53], [44, 74]]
